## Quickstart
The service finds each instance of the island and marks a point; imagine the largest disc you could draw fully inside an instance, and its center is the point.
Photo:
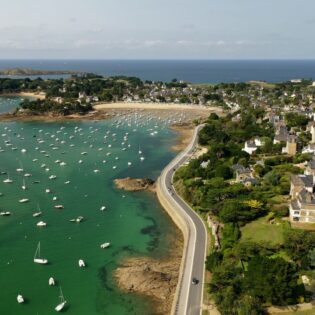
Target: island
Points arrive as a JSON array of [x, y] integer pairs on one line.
[[35, 72]]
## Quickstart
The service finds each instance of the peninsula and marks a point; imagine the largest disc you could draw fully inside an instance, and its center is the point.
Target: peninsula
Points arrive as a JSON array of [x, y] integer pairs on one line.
[[34, 72]]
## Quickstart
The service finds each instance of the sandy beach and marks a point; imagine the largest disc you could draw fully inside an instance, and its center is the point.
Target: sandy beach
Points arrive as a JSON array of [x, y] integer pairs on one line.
[[40, 96], [160, 106]]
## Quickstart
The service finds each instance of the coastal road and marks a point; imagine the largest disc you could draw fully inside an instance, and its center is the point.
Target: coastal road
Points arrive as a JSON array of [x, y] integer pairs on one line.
[[190, 296]]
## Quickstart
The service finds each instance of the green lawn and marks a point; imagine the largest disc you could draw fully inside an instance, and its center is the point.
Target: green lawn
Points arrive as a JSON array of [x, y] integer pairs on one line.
[[261, 230]]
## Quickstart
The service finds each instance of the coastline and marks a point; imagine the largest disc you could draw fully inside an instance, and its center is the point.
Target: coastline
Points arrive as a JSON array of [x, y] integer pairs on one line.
[[39, 96], [147, 276], [153, 106]]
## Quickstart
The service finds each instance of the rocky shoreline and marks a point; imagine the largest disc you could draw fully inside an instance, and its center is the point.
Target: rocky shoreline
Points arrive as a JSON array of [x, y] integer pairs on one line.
[[135, 184], [153, 278]]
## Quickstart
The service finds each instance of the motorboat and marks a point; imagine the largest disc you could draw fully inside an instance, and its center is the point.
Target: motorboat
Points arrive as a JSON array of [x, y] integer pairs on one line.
[[23, 200], [59, 206], [105, 245], [20, 299], [41, 224], [81, 263], [51, 281], [5, 213]]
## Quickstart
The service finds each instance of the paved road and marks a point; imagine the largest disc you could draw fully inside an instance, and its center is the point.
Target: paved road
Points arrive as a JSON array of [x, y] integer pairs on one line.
[[190, 295]]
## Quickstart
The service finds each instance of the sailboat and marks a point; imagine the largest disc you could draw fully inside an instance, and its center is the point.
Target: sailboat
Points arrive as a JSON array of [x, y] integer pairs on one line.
[[37, 258], [62, 303], [8, 180], [20, 169], [24, 185], [38, 213]]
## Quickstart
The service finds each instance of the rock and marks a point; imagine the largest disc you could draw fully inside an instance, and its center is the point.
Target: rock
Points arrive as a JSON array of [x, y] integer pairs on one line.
[[135, 184], [158, 281]]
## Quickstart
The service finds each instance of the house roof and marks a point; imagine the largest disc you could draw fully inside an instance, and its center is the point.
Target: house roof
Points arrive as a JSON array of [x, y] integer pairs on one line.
[[302, 180], [311, 164]]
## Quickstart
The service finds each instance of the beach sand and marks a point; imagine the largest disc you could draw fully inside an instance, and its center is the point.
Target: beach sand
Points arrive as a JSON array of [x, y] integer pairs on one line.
[[160, 106]]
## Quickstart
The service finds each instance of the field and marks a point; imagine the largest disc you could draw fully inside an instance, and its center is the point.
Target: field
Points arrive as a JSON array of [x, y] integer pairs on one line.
[[263, 231]]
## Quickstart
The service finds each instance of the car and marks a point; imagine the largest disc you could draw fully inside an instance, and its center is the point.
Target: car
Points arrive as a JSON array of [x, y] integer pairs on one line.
[[194, 281]]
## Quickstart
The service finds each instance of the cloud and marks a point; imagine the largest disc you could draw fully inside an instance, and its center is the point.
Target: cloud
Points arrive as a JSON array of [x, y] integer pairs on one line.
[[184, 43], [153, 43], [81, 43]]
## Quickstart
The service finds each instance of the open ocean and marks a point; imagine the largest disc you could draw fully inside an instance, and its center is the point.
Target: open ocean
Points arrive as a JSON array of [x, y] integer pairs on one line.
[[195, 71]]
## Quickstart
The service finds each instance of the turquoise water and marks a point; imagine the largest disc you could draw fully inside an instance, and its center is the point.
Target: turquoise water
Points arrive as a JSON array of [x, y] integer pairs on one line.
[[9, 103], [133, 223]]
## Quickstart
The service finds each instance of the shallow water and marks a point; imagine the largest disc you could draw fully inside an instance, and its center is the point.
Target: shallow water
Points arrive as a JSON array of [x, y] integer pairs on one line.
[[133, 223], [9, 103]]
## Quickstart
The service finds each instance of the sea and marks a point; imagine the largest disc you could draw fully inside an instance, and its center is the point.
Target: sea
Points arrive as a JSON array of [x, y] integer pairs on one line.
[[76, 162], [194, 71]]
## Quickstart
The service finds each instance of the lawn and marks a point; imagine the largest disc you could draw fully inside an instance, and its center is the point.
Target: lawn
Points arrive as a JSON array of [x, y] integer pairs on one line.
[[260, 230]]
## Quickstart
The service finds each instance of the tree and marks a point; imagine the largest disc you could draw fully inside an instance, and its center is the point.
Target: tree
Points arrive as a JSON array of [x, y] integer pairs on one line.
[[298, 243], [271, 280], [311, 258], [213, 260]]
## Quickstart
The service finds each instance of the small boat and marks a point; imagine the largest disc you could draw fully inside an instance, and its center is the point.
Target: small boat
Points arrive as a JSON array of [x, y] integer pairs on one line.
[[20, 299], [23, 200], [5, 213], [38, 213], [47, 191], [24, 185], [54, 198], [8, 180], [105, 245], [103, 208], [142, 158], [52, 177], [37, 258], [59, 206], [27, 175], [41, 223], [51, 281], [81, 263], [77, 220], [62, 303]]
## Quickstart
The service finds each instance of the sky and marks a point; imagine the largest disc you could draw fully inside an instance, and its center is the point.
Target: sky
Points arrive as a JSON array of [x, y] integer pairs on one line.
[[157, 29]]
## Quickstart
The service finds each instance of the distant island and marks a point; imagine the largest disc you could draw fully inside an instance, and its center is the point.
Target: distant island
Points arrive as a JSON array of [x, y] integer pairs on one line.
[[29, 71]]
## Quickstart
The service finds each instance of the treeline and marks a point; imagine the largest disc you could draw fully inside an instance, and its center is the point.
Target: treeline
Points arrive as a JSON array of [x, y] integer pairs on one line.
[[39, 107]]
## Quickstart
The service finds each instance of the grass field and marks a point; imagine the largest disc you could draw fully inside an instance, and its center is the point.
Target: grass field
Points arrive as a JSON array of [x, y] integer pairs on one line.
[[260, 230]]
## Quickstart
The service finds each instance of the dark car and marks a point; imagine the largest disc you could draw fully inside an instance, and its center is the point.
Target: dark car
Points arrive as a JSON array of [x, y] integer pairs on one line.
[[195, 281]]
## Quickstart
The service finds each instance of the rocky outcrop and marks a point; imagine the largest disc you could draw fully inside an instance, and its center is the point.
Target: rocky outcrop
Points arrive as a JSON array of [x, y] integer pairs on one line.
[[135, 184], [156, 279]]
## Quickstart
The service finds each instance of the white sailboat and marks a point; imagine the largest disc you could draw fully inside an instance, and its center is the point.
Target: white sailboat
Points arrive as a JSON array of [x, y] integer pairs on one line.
[[38, 213], [24, 185], [62, 303], [37, 258], [8, 180]]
